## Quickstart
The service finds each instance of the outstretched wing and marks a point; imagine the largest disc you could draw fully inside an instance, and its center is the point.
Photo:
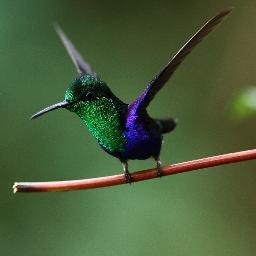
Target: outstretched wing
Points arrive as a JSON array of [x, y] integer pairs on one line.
[[158, 82], [81, 65]]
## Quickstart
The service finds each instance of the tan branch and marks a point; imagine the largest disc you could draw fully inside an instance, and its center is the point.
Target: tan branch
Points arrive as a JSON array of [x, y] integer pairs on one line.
[[136, 176]]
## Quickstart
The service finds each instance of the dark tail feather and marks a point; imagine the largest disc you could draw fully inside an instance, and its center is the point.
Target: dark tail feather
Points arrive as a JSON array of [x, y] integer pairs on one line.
[[166, 125]]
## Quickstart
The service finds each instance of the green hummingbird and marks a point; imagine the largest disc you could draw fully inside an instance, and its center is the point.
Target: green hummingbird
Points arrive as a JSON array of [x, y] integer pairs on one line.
[[125, 131]]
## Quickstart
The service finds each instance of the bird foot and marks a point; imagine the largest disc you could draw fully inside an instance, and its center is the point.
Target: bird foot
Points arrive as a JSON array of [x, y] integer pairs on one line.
[[159, 169], [128, 177]]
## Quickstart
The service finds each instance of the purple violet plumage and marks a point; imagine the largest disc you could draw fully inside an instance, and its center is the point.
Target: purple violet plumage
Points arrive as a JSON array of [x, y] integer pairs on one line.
[[143, 136]]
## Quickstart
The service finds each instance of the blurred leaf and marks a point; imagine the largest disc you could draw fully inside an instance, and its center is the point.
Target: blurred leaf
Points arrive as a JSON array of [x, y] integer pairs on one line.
[[244, 104]]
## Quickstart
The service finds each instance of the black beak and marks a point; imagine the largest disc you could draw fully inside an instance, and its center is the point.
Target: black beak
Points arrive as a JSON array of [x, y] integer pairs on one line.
[[62, 104]]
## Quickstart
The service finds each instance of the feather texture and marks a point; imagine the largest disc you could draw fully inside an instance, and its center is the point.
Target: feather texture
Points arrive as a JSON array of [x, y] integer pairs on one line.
[[81, 65], [164, 75]]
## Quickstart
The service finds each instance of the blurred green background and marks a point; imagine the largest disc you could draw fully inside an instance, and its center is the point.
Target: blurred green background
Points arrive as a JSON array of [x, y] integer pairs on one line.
[[210, 212]]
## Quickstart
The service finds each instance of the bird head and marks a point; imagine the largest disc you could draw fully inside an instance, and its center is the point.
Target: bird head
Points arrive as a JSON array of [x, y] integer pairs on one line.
[[83, 91]]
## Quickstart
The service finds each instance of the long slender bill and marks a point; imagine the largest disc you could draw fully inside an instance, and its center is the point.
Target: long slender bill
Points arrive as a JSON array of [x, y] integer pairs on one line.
[[62, 104]]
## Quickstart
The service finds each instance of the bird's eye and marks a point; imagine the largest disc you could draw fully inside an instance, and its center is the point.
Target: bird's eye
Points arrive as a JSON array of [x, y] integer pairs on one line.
[[89, 95]]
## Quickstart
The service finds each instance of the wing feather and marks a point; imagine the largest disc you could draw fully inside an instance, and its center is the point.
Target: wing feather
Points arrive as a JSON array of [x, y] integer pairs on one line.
[[81, 65], [164, 75]]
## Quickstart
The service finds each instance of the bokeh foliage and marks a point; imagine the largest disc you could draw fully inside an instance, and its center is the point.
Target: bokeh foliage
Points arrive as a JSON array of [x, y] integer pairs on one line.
[[244, 103], [209, 212]]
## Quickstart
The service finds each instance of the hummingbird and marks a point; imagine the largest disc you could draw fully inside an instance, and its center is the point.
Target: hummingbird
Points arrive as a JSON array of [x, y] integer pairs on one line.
[[125, 131]]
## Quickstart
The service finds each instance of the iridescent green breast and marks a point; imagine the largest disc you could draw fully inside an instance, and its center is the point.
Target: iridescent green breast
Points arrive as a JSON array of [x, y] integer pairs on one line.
[[92, 100], [103, 119]]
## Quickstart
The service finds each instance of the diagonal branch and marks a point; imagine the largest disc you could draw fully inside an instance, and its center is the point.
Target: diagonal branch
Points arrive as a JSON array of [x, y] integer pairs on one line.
[[137, 176]]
